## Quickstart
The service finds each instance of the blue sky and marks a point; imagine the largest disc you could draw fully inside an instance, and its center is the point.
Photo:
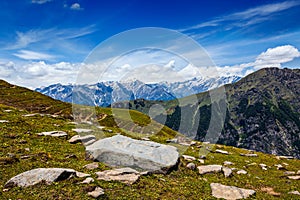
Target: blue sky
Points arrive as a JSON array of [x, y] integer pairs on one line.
[[47, 41]]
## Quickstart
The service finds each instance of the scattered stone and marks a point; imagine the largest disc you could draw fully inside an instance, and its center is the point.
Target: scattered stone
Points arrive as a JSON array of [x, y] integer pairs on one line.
[[109, 130], [84, 139], [241, 172], [82, 130], [174, 140], [30, 115], [35, 176], [53, 134], [279, 166], [249, 154], [191, 166], [284, 157], [82, 175], [88, 180], [294, 177], [295, 192], [91, 166], [270, 191], [201, 161], [193, 143], [202, 156], [96, 193], [188, 158], [145, 139], [230, 192], [124, 175], [227, 171], [25, 157], [3, 121], [298, 172], [7, 110], [288, 173], [26, 149], [75, 123], [263, 166], [23, 142], [285, 164], [71, 156], [101, 127], [143, 155], [251, 164], [221, 151], [227, 163], [204, 169]]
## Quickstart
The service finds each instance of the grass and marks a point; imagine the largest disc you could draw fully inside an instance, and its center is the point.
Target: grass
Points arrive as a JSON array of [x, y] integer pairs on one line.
[[19, 134]]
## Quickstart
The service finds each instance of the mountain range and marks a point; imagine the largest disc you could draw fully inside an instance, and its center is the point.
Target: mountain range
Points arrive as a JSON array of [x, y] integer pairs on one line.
[[105, 93]]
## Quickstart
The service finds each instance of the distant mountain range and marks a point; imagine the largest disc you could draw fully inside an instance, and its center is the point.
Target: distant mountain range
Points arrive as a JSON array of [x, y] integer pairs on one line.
[[106, 93]]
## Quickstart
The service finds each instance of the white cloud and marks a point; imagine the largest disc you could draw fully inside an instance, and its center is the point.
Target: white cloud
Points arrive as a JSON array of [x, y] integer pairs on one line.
[[7, 69], [274, 57], [75, 6], [40, 1], [32, 55], [247, 17]]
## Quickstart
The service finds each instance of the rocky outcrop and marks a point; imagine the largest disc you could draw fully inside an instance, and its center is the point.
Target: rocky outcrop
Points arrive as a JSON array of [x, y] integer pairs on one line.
[[141, 155], [230, 192]]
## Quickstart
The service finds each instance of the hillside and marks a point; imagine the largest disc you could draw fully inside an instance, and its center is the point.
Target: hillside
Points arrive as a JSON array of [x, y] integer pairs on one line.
[[263, 111]]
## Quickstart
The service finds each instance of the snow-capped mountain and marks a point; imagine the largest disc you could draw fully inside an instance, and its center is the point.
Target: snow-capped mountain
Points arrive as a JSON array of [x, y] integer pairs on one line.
[[106, 93]]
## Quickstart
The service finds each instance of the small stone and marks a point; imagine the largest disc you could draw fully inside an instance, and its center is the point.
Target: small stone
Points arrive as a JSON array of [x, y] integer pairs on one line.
[[88, 180], [227, 171], [91, 166], [82, 175], [174, 140], [294, 177], [221, 151], [124, 175], [202, 156], [191, 166], [188, 158], [230, 192], [249, 154], [201, 161], [287, 173], [96, 193], [242, 172], [298, 172], [227, 163], [284, 157], [7, 110], [26, 149], [145, 139], [82, 130], [77, 138], [295, 192], [204, 169], [279, 166], [270, 191], [263, 166], [4, 121], [53, 134]]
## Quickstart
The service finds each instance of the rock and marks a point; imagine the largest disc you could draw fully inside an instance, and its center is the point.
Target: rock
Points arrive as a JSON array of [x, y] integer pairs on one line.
[[53, 134], [294, 177], [145, 139], [191, 166], [279, 166], [88, 180], [284, 157], [142, 155], [82, 130], [295, 192], [221, 151], [30, 115], [96, 193], [227, 163], [3, 121], [188, 158], [201, 161], [91, 166], [242, 172], [174, 140], [204, 169], [263, 166], [89, 142], [77, 138], [35, 176], [230, 192], [124, 175], [287, 173], [298, 172], [270, 191], [202, 156], [249, 154], [82, 175], [227, 171], [7, 110]]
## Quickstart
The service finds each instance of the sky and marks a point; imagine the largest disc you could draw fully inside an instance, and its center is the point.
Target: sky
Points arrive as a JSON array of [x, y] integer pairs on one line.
[[43, 42]]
